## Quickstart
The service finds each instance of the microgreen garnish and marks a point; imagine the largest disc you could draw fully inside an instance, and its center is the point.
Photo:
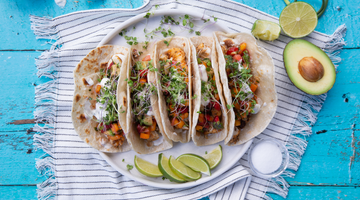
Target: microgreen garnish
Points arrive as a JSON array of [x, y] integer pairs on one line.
[[129, 167]]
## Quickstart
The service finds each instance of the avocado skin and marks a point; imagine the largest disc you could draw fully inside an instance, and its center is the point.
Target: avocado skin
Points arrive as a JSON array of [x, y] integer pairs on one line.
[[320, 87]]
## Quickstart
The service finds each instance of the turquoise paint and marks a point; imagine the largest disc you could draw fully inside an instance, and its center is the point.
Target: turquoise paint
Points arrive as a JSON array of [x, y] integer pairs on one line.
[[325, 164]]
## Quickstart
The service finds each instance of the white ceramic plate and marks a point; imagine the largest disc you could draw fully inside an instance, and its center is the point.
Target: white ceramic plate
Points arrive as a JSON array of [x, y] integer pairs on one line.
[[119, 161]]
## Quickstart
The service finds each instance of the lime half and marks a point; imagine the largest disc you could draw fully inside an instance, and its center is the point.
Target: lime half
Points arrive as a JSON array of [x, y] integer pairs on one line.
[[147, 168], [298, 19], [195, 162], [266, 30], [214, 157], [166, 170], [182, 170]]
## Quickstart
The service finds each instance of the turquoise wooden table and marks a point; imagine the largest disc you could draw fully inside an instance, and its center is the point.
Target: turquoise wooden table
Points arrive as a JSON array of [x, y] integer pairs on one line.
[[330, 168]]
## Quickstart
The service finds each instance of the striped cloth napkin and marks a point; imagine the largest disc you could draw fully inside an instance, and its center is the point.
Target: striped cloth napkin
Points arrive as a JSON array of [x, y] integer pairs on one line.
[[76, 171]]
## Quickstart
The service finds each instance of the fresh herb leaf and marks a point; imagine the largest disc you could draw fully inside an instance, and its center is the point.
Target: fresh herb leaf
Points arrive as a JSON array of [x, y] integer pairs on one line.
[[129, 167]]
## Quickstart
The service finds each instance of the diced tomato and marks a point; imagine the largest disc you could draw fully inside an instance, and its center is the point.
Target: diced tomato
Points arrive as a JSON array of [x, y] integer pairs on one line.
[[217, 106], [231, 50], [209, 118], [146, 58], [237, 57], [143, 73], [207, 125], [216, 119]]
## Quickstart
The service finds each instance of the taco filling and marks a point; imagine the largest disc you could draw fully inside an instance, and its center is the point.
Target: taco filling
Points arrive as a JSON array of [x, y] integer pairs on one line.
[[140, 92], [174, 85], [210, 109], [242, 84], [105, 112]]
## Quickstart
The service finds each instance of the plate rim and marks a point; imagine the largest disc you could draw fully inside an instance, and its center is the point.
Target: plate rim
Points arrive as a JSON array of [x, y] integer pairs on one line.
[[104, 155]]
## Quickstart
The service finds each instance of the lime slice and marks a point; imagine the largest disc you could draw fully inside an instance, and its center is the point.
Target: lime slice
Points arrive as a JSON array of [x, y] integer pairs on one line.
[[166, 170], [195, 163], [214, 157], [183, 170], [298, 19], [147, 168], [266, 30]]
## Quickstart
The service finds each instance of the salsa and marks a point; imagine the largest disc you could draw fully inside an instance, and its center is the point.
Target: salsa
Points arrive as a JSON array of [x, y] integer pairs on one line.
[[242, 83], [174, 85], [210, 109], [106, 113], [140, 92]]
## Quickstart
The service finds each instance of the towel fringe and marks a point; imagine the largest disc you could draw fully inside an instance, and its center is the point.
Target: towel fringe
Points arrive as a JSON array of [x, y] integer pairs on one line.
[[45, 105]]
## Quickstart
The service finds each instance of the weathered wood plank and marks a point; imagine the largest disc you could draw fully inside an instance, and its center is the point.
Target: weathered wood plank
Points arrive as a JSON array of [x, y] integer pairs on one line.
[[18, 192], [15, 22], [322, 192]]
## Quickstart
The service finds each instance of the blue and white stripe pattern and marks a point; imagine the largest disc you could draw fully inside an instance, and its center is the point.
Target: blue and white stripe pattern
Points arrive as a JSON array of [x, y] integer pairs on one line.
[[76, 171]]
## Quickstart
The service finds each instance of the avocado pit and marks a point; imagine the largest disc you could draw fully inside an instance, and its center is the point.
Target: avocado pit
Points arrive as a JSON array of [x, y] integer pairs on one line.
[[311, 69]]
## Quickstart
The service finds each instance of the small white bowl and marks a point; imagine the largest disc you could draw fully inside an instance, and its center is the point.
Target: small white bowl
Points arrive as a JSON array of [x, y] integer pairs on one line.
[[280, 169]]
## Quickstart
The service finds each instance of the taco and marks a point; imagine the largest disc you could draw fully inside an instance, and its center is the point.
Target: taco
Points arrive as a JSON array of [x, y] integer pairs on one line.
[[247, 75], [209, 116], [173, 61], [95, 112], [146, 133]]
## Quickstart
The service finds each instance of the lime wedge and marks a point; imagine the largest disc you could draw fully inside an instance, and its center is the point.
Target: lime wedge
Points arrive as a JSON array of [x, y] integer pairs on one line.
[[266, 30], [195, 163], [182, 170], [298, 19], [214, 157], [147, 168], [166, 170]]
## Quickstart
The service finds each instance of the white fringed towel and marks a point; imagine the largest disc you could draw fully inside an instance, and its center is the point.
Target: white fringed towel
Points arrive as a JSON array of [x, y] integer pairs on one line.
[[76, 171]]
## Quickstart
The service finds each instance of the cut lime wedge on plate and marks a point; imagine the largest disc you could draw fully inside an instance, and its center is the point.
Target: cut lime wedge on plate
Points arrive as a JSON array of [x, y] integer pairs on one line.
[[182, 170], [298, 19], [165, 169], [195, 162], [147, 168], [214, 157], [266, 30]]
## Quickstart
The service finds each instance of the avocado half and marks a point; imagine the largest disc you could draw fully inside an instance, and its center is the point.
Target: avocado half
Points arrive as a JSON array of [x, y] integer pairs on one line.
[[298, 49]]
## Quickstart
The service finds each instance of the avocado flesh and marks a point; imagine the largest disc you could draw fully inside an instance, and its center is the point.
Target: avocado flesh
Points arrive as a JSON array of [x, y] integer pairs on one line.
[[298, 49]]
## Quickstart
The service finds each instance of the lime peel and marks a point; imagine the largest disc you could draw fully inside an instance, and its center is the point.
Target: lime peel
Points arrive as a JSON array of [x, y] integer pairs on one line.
[[195, 162], [182, 170], [147, 168], [214, 157], [165, 169]]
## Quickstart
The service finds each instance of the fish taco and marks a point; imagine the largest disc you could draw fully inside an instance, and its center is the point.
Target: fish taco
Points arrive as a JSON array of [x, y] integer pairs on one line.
[[247, 75], [146, 133], [173, 62], [95, 110], [209, 116]]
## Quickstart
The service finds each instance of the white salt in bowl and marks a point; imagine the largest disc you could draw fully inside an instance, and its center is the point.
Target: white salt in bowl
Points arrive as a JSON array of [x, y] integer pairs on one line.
[[268, 158]]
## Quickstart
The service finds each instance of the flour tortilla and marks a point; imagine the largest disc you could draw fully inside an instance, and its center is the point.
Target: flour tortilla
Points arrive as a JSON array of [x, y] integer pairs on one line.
[[89, 68], [263, 67], [176, 135], [133, 137], [196, 88]]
